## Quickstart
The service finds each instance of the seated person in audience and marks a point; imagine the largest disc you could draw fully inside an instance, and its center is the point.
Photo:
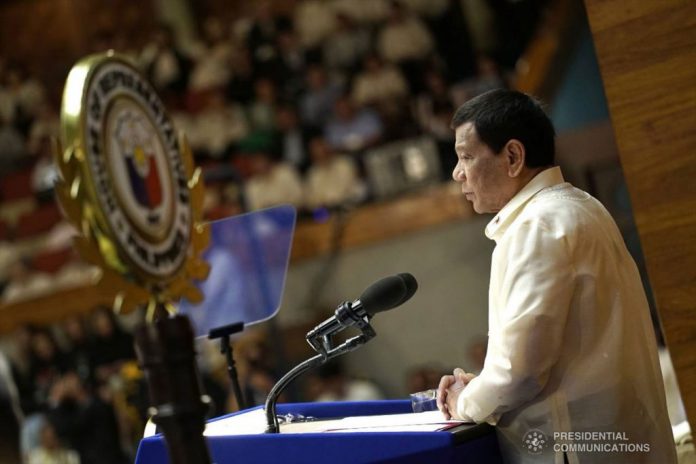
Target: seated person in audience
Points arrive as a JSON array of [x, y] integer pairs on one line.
[[215, 130], [10, 413], [290, 65], [488, 77], [111, 345], [261, 35], [352, 129], [317, 103], [345, 48], [85, 421], [314, 22], [45, 125], [261, 111], [60, 237], [433, 110], [240, 88], [212, 58], [27, 94], [383, 87], [45, 173], [164, 64], [19, 352], [405, 41], [364, 12], [46, 364], [51, 450], [378, 83], [292, 138], [25, 283], [272, 182], [13, 154], [79, 345], [9, 254], [332, 179]]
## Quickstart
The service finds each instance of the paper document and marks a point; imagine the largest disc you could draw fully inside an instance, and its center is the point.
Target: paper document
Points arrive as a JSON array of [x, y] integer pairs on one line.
[[254, 422], [430, 421]]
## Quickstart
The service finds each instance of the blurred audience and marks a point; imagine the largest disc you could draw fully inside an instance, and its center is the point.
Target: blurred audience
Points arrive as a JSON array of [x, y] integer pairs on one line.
[[85, 421], [332, 383], [279, 108], [362, 73]]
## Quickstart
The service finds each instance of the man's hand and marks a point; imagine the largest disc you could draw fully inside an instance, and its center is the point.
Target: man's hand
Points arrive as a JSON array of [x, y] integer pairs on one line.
[[448, 391]]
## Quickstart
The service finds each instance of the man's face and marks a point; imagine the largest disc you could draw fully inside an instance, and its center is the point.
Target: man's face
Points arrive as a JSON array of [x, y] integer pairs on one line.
[[483, 174]]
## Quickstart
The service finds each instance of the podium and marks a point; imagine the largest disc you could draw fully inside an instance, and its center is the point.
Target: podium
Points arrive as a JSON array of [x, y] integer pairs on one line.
[[465, 443]]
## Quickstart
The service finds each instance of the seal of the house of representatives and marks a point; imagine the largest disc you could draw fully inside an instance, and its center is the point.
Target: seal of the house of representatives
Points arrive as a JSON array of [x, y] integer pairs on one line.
[[129, 185]]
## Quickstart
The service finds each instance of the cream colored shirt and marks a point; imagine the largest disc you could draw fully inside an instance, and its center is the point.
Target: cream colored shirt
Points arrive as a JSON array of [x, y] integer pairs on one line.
[[386, 84], [331, 183], [571, 346], [282, 185], [408, 40]]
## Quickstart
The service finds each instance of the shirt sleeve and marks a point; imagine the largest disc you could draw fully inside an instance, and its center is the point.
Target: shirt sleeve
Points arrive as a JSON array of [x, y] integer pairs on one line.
[[533, 286]]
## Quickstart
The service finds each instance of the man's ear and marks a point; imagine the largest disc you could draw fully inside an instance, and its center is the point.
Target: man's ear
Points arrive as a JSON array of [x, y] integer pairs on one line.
[[515, 154]]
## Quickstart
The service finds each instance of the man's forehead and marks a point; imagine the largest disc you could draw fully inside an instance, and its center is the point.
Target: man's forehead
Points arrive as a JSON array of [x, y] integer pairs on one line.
[[465, 134]]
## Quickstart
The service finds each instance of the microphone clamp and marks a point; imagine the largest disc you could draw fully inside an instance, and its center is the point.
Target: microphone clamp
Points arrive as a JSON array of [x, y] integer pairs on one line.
[[346, 315]]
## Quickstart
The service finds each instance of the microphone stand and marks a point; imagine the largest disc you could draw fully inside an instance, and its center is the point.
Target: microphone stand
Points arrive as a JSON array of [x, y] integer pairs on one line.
[[323, 346]]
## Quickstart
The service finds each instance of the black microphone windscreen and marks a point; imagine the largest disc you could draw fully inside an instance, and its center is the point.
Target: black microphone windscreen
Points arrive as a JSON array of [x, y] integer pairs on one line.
[[411, 286], [387, 293]]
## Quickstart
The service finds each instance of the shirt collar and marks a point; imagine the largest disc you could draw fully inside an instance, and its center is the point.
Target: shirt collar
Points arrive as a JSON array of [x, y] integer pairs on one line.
[[546, 178]]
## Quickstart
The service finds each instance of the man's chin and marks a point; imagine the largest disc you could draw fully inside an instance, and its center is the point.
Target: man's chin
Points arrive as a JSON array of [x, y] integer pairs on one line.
[[480, 209]]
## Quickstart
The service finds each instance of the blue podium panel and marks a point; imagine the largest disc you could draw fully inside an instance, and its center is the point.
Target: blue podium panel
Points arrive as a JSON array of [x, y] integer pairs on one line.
[[465, 444]]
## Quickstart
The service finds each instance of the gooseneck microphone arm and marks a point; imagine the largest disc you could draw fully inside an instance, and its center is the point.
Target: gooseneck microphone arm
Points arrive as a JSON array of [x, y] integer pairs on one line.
[[384, 294], [315, 361], [272, 425]]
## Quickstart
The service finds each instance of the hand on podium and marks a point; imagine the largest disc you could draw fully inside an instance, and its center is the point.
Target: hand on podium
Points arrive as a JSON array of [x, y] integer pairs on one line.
[[448, 392]]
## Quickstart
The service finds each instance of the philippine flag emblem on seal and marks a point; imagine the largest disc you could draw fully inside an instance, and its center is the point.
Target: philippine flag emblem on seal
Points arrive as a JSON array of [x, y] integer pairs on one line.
[[137, 149]]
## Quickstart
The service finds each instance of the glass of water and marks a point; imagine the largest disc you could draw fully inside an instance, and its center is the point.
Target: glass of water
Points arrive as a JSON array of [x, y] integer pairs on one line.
[[424, 400]]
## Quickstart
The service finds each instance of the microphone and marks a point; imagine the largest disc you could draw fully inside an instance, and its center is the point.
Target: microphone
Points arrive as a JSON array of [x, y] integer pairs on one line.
[[385, 294]]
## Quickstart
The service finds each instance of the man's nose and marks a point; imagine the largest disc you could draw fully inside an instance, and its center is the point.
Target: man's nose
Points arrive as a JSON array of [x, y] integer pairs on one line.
[[458, 174]]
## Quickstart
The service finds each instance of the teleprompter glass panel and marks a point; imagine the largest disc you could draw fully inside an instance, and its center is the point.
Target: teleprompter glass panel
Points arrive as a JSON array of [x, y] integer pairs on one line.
[[248, 257]]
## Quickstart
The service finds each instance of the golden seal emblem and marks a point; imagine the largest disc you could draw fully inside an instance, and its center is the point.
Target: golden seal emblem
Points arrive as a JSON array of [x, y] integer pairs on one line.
[[130, 186]]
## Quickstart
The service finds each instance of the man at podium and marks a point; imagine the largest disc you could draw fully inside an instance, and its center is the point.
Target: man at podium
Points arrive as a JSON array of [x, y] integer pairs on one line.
[[571, 372]]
